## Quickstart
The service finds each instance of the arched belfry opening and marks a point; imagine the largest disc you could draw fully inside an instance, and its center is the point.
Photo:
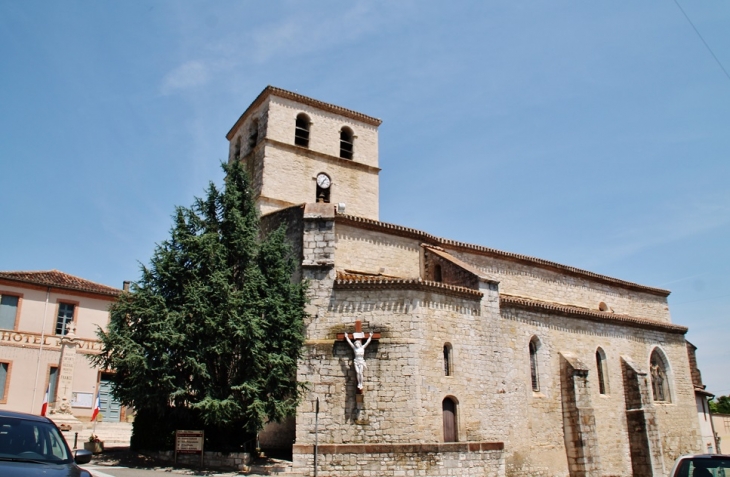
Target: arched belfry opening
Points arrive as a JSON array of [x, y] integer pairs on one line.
[[347, 143], [301, 132]]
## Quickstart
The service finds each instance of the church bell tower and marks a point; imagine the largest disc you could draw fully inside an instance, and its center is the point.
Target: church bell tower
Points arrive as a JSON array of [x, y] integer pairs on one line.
[[300, 150]]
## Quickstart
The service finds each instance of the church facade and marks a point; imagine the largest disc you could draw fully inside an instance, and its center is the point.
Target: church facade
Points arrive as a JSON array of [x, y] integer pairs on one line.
[[482, 362]]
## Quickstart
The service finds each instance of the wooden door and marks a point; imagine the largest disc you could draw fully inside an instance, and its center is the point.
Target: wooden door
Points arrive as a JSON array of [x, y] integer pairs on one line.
[[449, 408]]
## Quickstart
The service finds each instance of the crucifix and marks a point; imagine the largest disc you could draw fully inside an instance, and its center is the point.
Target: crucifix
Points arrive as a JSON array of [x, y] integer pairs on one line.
[[359, 349]]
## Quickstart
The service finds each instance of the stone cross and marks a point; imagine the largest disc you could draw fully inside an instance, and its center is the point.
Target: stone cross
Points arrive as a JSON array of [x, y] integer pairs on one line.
[[359, 349]]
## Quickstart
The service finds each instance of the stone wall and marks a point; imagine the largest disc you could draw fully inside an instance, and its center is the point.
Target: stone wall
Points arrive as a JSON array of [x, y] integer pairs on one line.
[[324, 132], [405, 383], [211, 460], [370, 251], [483, 459], [543, 421], [527, 280]]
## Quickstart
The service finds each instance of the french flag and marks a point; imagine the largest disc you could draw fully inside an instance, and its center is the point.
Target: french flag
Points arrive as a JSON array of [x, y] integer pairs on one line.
[[97, 406], [44, 408]]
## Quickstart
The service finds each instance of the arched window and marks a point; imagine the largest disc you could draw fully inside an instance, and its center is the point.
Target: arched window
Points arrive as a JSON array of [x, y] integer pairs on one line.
[[253, 138], [301, 132], [347, 139], [534, 345], [450, 427], [437, 273], [659, 376], [601, 371], [237, 149], [448, 360]]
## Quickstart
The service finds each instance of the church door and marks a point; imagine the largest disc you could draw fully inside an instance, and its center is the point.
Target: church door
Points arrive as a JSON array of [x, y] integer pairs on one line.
[[449, 408]]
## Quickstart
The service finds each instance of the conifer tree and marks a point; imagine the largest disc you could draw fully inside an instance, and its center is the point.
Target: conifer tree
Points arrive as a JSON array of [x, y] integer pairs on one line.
[[211, 333]]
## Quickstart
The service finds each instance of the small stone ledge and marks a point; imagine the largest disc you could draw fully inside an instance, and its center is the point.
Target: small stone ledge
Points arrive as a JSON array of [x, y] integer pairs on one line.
[[398, 448]]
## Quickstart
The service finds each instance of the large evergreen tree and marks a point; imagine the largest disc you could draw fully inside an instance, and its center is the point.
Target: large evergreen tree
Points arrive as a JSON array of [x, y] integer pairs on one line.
[[211, 333]]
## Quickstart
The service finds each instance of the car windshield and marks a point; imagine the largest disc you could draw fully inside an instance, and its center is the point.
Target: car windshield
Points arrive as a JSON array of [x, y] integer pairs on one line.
[[30, 440], [704, 467]]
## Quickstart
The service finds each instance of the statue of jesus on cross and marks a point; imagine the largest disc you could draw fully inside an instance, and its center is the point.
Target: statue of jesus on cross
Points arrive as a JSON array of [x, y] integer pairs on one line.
[[359, 350], [359, 360]]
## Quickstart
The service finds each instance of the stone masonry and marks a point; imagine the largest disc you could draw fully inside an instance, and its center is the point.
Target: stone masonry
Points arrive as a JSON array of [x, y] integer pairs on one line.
[[424, 294]]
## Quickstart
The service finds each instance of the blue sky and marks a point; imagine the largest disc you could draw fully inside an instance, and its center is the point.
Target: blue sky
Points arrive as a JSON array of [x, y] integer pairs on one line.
[[594, 134]]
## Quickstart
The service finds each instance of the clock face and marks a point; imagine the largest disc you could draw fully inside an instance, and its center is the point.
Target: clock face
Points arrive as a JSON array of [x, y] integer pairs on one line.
[[323, 181]]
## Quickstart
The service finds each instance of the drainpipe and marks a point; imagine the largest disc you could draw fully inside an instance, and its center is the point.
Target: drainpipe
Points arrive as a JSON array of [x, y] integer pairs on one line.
[[40, 350]]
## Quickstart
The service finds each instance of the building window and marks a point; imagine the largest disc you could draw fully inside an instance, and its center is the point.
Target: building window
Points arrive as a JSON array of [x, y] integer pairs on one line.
[[448, 360], [237, 149], [4, 378], [347, 139], [450, 428], [8, 311], [659, 376], [437, 273], [65, 317], [301, 133], [601, 371], [52, 384], [534, 344], [253, 138]]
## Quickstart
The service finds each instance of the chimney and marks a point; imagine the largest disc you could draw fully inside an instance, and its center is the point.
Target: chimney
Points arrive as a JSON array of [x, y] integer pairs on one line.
[[125, 285]]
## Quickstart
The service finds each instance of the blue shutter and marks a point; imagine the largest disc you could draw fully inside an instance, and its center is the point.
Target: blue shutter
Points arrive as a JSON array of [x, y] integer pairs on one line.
[[3, 378]]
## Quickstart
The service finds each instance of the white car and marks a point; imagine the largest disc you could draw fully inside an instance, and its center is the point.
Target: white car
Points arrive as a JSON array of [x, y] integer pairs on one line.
[[702, 465]]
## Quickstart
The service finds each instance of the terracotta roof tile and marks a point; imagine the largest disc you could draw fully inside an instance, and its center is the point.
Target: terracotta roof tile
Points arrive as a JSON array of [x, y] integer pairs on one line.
[[592, 315], [300, 98], [367, 281], [478, 249], [57, 279]]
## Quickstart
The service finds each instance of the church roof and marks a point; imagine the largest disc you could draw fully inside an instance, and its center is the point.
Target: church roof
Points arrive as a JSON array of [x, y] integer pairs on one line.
[[349, 279], [460, 263], [299, 98], [58, 279], [429, 239]]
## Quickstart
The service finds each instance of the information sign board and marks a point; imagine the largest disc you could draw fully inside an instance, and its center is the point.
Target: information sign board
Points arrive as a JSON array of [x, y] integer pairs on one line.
[[189, 442]]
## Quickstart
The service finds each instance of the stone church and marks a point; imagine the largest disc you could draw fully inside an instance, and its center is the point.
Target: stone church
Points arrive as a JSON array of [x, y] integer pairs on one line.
[[477, 362]]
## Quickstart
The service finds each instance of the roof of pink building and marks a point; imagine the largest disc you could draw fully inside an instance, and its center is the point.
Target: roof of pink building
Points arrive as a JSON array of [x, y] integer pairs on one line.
[[58, 279]]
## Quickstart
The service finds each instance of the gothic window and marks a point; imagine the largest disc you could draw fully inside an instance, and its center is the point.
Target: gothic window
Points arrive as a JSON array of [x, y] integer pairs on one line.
[[601, 371], [65, 317], [301, 132], [534, 344], [450, 429], [448, 360], [346, 143], [659, 376], [253, 138], [437, 273]]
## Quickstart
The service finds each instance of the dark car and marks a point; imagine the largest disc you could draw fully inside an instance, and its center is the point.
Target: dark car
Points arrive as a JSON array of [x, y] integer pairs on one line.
[[33, 446], [702, 465]]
